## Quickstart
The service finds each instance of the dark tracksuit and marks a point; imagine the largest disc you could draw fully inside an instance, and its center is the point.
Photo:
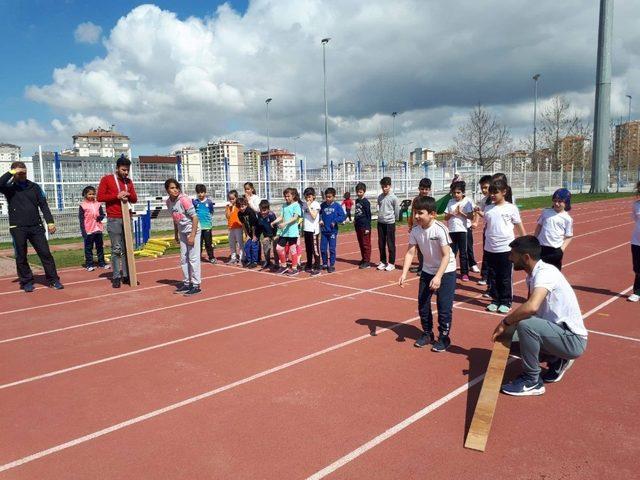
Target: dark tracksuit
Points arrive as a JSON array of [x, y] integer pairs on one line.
[[249, 221], [25, 224], [268, 234], [330, 215], [92, 239], [362, 223]]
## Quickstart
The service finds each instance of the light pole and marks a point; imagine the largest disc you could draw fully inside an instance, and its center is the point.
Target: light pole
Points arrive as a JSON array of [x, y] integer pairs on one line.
[[326, 109], [535, 115], [393, 146], [267, 102], [626, 130]]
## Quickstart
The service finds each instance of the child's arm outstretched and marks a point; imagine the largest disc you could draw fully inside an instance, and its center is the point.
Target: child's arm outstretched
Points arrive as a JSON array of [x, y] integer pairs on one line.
[[408, 258]]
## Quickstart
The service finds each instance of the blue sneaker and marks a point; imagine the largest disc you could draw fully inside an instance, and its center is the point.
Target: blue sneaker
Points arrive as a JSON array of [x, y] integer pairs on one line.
[[523, 387], [28, 288], [557, 370], [56, 285]]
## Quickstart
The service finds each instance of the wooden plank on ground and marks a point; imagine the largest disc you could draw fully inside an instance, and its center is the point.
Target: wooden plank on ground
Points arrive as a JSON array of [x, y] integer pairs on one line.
[[128, 242], [486, 406]]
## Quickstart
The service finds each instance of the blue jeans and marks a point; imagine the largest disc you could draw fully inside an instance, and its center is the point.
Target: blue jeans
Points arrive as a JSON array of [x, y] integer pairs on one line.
[[328, 240], [89, 241], [251, 251], [444, 301]]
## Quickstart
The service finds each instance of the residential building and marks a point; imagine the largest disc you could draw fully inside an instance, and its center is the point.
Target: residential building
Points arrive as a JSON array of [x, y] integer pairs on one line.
[[445, 158], [421, 155], [190, 164], [222, 162], [251, 165], [9, 153], [101, 143], [627, 145], [571, 151], [515, 161], [346, 170], [283, 165]]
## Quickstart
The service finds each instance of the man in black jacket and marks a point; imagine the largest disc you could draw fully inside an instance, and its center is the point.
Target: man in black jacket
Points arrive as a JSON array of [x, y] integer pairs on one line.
[[24, 198]]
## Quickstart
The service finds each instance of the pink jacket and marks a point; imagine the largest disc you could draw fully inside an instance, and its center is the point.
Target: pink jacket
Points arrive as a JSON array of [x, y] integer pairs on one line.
[[90, 215]]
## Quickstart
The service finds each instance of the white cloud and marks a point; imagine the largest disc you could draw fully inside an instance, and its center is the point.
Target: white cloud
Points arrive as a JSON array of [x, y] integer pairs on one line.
[[87, 32], [22, 131], [166, 80]]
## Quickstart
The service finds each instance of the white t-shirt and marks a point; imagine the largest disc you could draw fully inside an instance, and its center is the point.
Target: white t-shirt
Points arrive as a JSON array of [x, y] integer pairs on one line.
[[254, 203], [311, 225], [459, 223], [635, 237], [499, 221], [482, 203], [430, 242], [555, 227], [560, 305]]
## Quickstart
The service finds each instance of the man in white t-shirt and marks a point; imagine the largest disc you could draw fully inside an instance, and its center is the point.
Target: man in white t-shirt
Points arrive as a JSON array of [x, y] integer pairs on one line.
[[311, 228], [548, 323], [438, 272]]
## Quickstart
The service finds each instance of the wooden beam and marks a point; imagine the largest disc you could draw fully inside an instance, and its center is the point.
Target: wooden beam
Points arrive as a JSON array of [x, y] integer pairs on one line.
[[128, 242], [486, 406]]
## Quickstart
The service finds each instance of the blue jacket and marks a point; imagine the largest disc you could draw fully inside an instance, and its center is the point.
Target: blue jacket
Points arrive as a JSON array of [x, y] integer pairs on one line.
[[331, 215], [264, 227]]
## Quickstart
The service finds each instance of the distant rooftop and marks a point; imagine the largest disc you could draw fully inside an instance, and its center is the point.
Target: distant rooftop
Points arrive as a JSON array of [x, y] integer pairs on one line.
[[100, 132], [9, 145]]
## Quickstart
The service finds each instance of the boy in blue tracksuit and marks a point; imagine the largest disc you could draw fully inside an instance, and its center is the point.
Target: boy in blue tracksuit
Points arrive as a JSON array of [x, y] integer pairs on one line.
[[204, 208], [331, 214]]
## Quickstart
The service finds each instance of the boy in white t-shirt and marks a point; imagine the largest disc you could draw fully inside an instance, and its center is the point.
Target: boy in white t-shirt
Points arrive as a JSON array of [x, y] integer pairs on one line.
[[438, 272], [555, 228], [311, 227], [548, 324], [458, 214]]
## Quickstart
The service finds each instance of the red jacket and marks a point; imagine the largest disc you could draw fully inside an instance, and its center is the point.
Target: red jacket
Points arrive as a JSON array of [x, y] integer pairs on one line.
[[108, 193]]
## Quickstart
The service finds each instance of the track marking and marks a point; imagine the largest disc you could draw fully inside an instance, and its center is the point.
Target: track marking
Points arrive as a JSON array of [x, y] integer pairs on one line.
[[622, 337]]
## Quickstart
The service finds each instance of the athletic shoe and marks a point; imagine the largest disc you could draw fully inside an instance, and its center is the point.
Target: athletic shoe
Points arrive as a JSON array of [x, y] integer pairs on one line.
[[364, 265], [424, 340], [252, 265], [381, 266], [292, 273], [504, 309], [90, 269], [331, 269], [486, 295], [282, 270], [557, 370], [115, 282], [523, 387], [193, 291], [56, 285], [441, 345], [28, 288], [315, 273], [390, 267], [105, 267], [465, 278], [324, 267], [482, 282], [414, 269], [126, 280], [475, 269], [184, 288], [213, 261], [633, 297], [231, 261], [492, 307]]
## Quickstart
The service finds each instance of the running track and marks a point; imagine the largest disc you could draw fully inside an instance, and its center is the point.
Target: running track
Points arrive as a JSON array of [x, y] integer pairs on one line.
[[264, 376]]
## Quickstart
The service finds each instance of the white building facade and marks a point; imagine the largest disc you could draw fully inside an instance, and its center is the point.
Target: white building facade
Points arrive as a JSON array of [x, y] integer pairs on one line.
[[101, 143]]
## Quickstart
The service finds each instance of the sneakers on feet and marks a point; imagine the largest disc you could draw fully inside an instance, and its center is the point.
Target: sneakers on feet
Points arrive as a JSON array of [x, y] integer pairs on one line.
[[390, 267], [424, 340], [557, 370], [324, 267], [465, 278], [282, 270], [492, 307], [522, 387], [252, 265], [331, 269], [28, 288], [213, 261], [315, 273], [364, 265], [193, 291], [475, 269], [633, 298], [482, 282], [56, 285], [106, 267], [292, 273], [115, 283], [185, 287], [504, 309], [486, 295], [414, 269], [90, 269], [381, 266], [441, 345]]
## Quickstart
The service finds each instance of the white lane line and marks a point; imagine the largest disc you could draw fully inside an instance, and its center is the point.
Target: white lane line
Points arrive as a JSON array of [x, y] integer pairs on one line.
[[418, 415], [622, 337], [189, 401]]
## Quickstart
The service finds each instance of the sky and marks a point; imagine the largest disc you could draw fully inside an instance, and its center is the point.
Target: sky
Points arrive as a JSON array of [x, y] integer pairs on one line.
[[177, 73]]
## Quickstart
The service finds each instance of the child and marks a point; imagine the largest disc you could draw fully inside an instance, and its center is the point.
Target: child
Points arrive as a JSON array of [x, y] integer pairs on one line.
[[458, 214], [635, 247], [331, 214], [484, 182], [388, 210], [288, 241], [311, 211], [555, 228], [500, 217], [91, 214], [204, 208], [252, 198], [362, 221], [236, 242], [347, 205], [266, 230], [249, 221], [424, 190], [187, 232], [438, 272], [509, 195]]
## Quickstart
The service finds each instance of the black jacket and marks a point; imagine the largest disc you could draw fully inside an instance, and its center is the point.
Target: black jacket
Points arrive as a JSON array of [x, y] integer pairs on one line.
[[249, 221], [362, 218], [24, 202]]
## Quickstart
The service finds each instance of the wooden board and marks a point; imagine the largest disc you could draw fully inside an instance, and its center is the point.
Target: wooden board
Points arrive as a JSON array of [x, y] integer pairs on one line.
[[486, 406], [128, 242]]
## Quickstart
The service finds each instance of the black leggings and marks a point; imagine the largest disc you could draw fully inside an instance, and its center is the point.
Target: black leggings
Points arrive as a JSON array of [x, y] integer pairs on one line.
[[499, 277], [459, 244], [387, 239], [635, 254], [552, 256], [312, 246]]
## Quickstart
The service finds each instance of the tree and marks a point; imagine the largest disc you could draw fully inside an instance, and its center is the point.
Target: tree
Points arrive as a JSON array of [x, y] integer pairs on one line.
[[482, 138], [557, 123], [377, 150]]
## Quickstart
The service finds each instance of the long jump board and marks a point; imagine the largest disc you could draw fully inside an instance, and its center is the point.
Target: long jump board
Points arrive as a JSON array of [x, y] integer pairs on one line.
[[128, 242], [486, 406]]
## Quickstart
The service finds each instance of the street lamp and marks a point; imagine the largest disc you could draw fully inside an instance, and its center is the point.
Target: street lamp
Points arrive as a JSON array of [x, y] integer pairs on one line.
[[629, 113], [393, 146], [627, 129], [324, 42], [535, 115], [267, 102]]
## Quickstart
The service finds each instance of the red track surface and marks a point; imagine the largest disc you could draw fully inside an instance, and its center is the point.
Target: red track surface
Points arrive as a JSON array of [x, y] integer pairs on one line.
[[263, 376]]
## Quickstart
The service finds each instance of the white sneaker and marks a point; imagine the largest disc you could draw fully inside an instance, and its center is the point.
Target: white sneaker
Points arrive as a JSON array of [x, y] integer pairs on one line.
[[381, 266], [90, 269], [106, 267], [390, 267], [633, 297], [475, 269], [482, 282]]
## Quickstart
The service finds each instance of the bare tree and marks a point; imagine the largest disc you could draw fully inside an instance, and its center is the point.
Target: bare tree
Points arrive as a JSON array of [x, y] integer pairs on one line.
[[482, 139], [557, 123], [377, 150]]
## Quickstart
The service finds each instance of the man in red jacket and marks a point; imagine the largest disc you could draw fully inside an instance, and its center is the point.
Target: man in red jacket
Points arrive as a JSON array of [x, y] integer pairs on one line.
[[114, 189]]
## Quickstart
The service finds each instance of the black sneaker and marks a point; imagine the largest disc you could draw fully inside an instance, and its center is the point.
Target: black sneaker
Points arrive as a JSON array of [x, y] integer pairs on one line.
[[293, 272], [115, 282], [315, 273], [557, 370], [364, 265], [193, 291], [184, 288], [331, 269], [126, 280], [308, 268], [28, 288], [414, 269], [424, 340], [213, 261], [441, 345], [252, 265], [324, 267], [56, 285], [523, 387]]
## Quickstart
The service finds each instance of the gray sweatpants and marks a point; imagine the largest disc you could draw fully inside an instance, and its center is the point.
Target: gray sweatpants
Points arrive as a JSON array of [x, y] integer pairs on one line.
[[190, 259], [540, 339], [236, 241], [115, 230]]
